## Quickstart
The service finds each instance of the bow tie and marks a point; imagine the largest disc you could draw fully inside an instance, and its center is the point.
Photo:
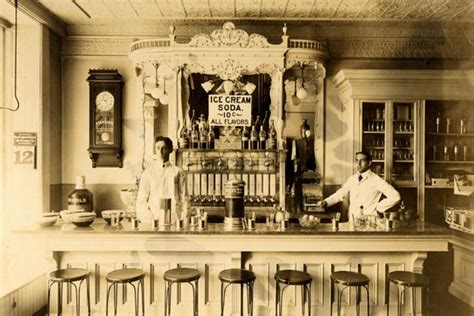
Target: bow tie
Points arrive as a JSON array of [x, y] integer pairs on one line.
[[360, 177]]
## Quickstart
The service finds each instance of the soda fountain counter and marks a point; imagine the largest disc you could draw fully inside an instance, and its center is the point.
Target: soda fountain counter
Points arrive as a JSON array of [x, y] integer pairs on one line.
[[265, 249]]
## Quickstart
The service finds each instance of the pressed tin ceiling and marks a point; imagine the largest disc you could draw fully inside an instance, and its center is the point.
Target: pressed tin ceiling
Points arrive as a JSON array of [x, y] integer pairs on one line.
[[139, 11]]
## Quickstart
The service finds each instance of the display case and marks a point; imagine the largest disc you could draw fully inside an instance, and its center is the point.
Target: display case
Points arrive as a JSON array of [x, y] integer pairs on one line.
[[449, 140], [389, 134]]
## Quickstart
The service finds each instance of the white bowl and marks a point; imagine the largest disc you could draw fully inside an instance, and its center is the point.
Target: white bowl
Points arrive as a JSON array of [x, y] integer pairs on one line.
[[67, 215], [48, 219], [83, 219]]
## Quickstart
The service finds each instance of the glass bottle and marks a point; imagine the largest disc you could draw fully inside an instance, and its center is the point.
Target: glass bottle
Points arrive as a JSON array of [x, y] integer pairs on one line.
[[80, 198], [203, 129], [195, 137], [211, 138], [462, 126], [183, 141], [446, 151], [245, 138], [465, 152], [438, 122], [253, 138], [456, 151], [448, 125], [272, 134]]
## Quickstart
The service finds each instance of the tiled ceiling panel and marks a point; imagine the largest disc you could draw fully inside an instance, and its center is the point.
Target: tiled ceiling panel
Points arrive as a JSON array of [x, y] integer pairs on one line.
[[113, 11]]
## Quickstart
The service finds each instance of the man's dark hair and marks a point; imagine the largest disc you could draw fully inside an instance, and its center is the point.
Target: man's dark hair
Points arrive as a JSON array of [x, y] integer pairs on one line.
[[365, 153], [168, 142]]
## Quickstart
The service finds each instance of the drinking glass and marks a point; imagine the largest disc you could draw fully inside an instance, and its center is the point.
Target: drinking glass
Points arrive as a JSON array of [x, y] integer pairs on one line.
[[270, 219]]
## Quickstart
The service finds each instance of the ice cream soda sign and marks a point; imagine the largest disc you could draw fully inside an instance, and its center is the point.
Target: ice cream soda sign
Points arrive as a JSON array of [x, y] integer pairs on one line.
[[230, 110]]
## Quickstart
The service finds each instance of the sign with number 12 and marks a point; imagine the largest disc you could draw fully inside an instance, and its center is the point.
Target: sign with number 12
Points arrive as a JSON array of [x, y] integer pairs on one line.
[[24, 148]]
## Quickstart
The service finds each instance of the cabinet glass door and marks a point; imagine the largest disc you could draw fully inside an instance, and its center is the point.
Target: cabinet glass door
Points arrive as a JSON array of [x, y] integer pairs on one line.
[[373, 134], [403, 143]]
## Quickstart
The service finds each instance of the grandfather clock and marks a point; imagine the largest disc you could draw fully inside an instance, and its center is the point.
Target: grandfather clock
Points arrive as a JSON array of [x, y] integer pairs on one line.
[[105, 118]]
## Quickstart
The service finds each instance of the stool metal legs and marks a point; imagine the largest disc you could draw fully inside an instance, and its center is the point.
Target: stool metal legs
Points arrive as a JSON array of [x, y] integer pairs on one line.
[[305, 297], [195, 286], [60, 295], [249, 297], [401, 294], [358, 299], [136, 294]]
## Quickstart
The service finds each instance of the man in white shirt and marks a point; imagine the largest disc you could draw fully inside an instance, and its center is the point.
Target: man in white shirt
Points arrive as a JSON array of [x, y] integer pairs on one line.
[[365, 189], [162, 180]]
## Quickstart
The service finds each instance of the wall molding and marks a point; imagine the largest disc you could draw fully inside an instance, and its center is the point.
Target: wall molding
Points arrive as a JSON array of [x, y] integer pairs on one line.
[[342, 48]]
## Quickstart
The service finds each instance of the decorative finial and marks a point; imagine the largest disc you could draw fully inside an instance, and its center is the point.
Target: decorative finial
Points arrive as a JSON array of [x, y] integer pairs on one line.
[[284, 28]]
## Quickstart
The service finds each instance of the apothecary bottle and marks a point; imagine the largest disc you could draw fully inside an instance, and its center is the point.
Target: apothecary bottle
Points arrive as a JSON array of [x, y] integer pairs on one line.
[[245, 137], [80, 198], [272, 136]]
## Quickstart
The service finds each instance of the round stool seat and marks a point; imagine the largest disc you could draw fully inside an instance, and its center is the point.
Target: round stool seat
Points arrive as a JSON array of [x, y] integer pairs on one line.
[[125, 275], [407, 278], [182, 275], [349, 278], [236, 276], [293, 277], [68, 275]]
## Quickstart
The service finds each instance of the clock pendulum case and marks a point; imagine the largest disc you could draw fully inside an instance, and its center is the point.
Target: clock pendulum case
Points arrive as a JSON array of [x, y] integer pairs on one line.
[[105, 118]]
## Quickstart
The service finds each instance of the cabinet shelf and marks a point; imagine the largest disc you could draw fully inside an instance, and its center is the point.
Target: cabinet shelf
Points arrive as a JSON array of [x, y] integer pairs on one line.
[[450, 162], [374, 132], [403, 133], [449, 134], [403, 161]]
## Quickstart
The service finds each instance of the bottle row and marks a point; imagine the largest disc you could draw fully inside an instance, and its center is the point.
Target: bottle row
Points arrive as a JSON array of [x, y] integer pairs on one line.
[[200, 135], [398, 126], [456, 152], [378, 142], [450, 125]]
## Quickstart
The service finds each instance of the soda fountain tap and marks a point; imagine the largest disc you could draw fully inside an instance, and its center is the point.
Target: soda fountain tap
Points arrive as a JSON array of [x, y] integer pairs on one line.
[[268, 162], [188, 163]]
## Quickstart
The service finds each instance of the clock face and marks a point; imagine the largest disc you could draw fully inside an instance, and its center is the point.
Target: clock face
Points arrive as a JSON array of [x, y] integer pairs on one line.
[[104, 101]]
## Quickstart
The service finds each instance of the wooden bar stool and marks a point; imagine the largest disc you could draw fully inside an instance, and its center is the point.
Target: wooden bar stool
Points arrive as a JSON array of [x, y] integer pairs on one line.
[[350, 279], [181, 275], [405, 280], [69, 275], [292, 277], [126, 276], [238, 276]]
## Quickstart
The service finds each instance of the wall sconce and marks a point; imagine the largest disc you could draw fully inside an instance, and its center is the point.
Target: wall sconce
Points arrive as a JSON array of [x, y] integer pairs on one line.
[[302, 93]]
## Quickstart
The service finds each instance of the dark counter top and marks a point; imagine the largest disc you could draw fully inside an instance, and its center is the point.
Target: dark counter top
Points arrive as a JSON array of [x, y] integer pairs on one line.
[[100, 227]]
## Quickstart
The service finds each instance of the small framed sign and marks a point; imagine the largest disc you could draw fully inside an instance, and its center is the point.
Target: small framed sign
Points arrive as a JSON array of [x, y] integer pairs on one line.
[[230, 110], [24, 148]]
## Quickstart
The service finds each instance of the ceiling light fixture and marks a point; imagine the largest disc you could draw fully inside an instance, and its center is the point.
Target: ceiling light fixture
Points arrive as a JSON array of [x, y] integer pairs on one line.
[[302, 93]]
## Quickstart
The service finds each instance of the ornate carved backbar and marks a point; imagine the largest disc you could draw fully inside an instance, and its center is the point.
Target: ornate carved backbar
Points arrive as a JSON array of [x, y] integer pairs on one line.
[[169, 70]]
